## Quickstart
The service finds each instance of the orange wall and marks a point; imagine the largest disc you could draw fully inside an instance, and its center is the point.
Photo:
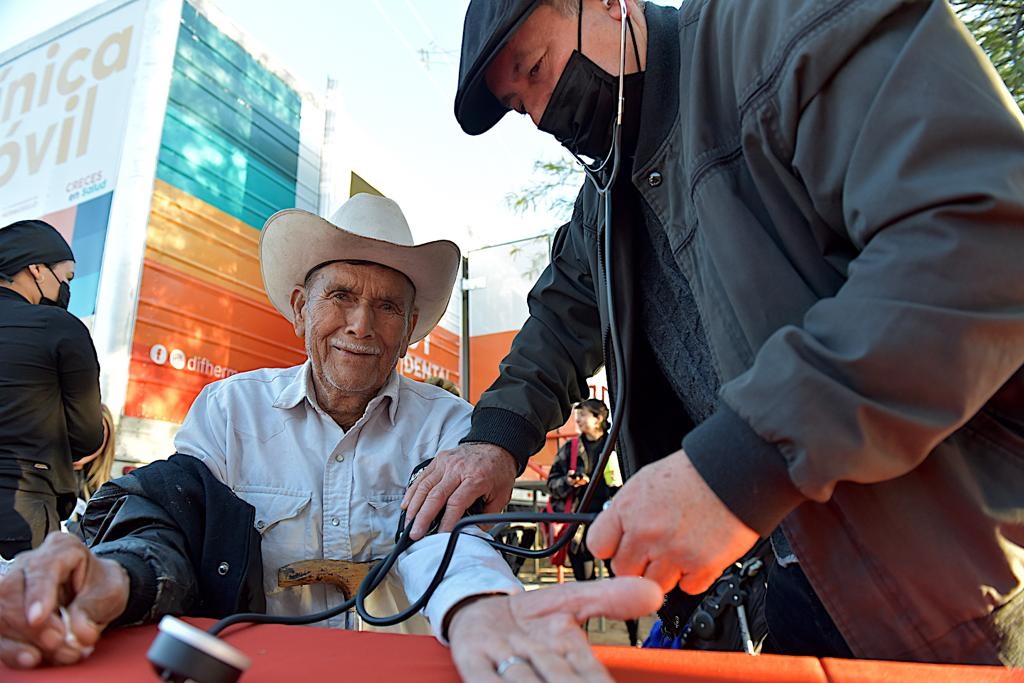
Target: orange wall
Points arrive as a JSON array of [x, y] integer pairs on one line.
[[202, 312], [435, 355], [189, 333], [193, 237], [485, 353]]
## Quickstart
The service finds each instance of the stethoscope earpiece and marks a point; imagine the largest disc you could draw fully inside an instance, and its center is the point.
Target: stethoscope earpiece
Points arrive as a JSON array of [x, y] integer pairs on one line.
[[183, 653]]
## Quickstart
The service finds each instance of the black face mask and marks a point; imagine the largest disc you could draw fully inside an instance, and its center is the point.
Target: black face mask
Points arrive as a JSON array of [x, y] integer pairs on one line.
[[63, 293], [582, 108]]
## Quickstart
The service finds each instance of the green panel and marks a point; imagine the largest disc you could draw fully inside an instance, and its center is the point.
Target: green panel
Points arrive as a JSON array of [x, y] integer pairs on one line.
[[231, 135]]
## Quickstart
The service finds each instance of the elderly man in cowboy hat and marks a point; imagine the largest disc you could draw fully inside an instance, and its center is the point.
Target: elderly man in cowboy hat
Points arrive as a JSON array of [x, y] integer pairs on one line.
[[319, 453]]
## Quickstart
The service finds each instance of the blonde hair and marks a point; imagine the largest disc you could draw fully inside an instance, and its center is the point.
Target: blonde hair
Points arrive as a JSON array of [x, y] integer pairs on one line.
[[98, 471]]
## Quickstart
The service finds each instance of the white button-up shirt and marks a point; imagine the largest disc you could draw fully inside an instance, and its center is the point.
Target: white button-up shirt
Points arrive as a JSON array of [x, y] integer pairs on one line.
[[323, 492]]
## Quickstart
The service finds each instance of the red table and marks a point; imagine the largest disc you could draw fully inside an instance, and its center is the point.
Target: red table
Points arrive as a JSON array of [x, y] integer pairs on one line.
[[315, 655]]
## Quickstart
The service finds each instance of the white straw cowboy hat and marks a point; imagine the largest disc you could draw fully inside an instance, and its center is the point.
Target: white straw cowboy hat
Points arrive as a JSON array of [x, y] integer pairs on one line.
[[365, 228]]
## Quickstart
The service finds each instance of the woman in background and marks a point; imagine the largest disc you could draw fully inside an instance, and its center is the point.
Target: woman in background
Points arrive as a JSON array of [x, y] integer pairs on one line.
[[96, 469], [93, 471], [572, 470]]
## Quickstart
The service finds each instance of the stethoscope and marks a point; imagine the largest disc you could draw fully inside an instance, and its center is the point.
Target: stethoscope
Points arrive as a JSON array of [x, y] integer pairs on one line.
[[182, 652]]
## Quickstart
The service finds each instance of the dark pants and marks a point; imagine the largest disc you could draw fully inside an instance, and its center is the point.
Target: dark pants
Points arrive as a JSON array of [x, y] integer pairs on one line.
[[25, 519], [797, 621]]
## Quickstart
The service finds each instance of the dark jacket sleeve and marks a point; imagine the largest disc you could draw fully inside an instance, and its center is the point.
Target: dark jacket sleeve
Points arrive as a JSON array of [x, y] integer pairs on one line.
[[913, 149], [186, 541], [558, 481], [552, 356], [79, 373], [122, 523]]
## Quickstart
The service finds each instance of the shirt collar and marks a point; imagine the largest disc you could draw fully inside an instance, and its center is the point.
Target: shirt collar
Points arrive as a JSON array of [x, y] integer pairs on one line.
[[388, 391], [301, 387]]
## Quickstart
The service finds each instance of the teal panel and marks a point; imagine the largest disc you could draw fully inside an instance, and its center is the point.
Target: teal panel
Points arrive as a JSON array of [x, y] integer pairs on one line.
[[231, 134]]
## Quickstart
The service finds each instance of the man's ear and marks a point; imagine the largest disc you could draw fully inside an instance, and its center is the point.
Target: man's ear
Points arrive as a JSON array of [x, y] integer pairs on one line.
[[613, 9], [408, 333], [298, 302]]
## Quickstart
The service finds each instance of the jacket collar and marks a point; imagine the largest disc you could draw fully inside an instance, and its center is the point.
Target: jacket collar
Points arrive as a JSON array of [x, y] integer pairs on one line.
[[661, 81], [301, 388], [8, 293]]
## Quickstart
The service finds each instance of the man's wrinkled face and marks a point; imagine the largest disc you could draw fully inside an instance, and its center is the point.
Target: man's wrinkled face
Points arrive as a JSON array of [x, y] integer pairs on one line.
[[356, 319]]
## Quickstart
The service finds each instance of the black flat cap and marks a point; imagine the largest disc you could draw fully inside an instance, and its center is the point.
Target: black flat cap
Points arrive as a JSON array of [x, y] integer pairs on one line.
[[488, 26]]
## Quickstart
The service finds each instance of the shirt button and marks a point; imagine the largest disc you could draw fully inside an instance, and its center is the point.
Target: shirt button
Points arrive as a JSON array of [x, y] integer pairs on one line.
[[260, 524], [335, 521], [223, 568], [654, 179], [339, 457]]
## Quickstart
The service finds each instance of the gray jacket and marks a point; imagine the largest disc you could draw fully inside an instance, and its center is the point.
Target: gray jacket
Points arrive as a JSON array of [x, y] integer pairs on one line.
[[842, 185]]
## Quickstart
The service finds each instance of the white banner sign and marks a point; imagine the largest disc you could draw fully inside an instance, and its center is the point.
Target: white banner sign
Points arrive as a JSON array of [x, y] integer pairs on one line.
[[63, 106]]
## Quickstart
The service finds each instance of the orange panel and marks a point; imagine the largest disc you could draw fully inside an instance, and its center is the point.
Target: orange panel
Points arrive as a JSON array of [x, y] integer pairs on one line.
[[278, 651], [437, 354], [485, 353], [856, 670], [679, 666], [203, 242], [189, 333]]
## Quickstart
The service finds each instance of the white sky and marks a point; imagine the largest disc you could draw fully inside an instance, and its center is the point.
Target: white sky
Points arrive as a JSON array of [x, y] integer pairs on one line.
[[398, 103]]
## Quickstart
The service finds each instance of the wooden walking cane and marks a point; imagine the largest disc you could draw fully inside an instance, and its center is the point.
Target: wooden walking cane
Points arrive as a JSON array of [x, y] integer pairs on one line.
[[344, 574]]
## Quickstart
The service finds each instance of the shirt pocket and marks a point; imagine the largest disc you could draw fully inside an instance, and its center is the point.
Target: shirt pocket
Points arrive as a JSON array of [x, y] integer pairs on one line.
[[385, 510], [284, 521]]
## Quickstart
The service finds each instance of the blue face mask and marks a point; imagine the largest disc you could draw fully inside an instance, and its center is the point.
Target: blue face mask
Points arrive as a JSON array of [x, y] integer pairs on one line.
[[63, 299]]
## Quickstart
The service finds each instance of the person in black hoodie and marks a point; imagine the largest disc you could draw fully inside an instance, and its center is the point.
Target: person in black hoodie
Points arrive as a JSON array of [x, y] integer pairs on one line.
[[49, 386]]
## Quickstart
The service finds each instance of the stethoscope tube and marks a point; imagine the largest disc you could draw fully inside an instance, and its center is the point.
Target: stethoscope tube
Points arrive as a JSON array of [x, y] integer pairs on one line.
[[380, 570]]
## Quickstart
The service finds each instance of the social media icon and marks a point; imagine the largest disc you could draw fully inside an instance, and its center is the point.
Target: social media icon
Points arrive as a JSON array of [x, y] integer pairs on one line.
[[158, 354]]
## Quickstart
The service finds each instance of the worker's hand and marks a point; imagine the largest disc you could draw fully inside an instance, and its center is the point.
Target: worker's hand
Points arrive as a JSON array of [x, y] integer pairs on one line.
[[61, 571], [542, 627], [457, 478], [667, 525]]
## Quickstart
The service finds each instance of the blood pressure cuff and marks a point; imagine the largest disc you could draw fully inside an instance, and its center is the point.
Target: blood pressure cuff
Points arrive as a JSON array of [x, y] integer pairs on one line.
[[475, 509]]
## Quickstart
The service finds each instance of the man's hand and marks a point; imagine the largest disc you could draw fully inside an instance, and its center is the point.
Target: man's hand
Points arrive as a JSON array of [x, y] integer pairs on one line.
[[667, 525], [59, 572], [542, 628], [458, 477]]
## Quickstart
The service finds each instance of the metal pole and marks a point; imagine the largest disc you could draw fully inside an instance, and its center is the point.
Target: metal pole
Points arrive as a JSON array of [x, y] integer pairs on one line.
[[464, 346]]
